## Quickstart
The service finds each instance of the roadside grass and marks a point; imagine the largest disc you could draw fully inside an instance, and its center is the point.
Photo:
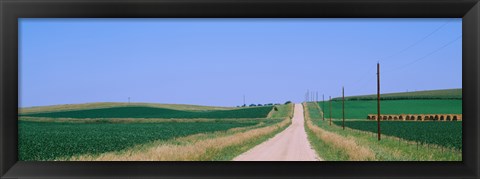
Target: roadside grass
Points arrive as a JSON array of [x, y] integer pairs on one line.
[[390, 148], [360, 109], [331, 146]]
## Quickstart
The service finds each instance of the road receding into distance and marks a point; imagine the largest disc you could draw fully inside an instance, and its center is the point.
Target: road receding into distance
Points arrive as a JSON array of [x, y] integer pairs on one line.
[[289, 145]]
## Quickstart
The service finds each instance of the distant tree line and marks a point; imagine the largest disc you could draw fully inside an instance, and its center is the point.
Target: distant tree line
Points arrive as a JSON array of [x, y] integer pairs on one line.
[[268, 104]]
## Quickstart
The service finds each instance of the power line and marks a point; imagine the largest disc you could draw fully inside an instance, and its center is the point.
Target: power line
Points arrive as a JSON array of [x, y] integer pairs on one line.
[[362, 77], [425, 56], [384, 59]]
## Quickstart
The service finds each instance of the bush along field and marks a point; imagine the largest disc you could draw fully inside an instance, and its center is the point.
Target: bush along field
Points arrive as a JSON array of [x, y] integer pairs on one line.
[[220, 134], [358, 142]]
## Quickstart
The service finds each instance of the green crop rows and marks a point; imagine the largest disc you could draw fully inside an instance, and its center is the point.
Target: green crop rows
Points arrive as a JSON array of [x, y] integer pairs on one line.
[[152, 112], [431, 94], [447, 134], [49, 141], [360, 109]]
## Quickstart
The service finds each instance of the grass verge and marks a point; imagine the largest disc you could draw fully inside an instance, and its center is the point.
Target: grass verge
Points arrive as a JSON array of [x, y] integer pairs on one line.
[[331, 146]]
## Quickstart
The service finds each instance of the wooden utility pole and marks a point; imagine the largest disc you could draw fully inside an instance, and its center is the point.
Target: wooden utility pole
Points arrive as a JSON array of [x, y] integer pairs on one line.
[[330, 110], [308, 95], [313, 96], [244, 104], [378, 100], [323, 107], [128, 100], [343, 107]]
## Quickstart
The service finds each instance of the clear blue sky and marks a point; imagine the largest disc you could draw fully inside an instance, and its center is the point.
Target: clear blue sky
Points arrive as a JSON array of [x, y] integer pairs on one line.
[[217, 61]]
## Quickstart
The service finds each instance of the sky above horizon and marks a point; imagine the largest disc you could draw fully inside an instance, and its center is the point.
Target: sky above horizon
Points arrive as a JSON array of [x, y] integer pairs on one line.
[[217, 61]]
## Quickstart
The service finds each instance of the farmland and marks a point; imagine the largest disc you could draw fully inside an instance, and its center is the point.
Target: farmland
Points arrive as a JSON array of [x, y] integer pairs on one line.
[[99, 105], [76, 133], [360, 109], [48, 141], [155, 112], [429, 94], [354, 143], [446, 134]]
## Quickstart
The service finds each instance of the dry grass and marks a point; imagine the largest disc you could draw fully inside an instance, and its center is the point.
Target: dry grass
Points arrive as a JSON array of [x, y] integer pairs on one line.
[[199, 147], [271, 113], [349, 145]]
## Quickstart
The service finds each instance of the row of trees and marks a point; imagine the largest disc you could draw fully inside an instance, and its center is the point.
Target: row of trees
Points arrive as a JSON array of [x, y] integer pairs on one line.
[[269, 104]]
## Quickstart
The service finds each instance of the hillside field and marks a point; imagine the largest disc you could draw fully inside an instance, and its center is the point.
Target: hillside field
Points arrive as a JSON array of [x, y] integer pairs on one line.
[[59, 133], [428, 94], [360, 109], [155, 112], [99, 105]]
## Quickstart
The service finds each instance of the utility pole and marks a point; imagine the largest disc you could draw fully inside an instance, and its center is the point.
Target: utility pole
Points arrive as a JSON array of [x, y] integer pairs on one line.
[[244, 104], [323, 107], [308, 95], [313, 96], [378, 100], [128, 100], [343, 106], [330, 110]]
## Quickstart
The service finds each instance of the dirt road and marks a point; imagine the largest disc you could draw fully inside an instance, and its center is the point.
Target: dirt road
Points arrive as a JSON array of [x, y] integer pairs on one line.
[[289, 145]]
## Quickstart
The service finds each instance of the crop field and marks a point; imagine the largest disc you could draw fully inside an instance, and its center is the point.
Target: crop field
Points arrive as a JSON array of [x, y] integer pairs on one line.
[[98, 105], [352, 143], [59, 133], [447, 134], [360, 109], [155, 112], [430, 94], [50, 141]]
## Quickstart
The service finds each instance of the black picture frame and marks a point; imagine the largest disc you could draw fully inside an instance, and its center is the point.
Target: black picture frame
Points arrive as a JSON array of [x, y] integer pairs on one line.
[[11, 10]]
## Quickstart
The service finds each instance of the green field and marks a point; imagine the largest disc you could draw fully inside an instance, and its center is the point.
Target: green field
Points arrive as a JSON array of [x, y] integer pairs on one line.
[[430, 94], [282, 111], [447, 134], [50, 141], [155, 112], [447, 137], [98, 105], [360, 109], [58, 133]]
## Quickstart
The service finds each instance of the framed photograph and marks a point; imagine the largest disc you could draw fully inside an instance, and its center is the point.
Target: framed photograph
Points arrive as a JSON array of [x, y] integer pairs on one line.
[[229, 89]]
